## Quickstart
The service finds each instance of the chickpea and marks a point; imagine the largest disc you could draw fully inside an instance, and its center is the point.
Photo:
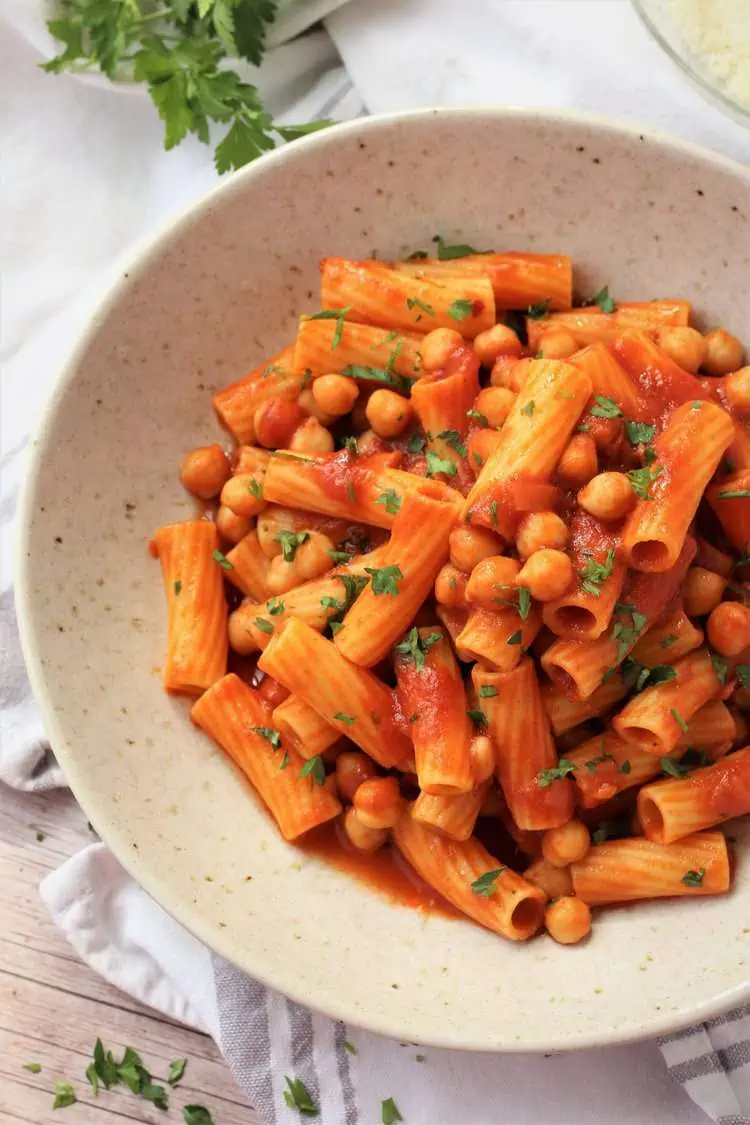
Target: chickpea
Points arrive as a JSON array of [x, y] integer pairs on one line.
[[502, 371], [335, 394], [480, 446], [378, 802], [311, 559], [566, 844], [702, 591], [540, 529], [272, 692], [737, 386], [546, 574], [497, 341], [495, 403], [438, 346], [241, 636], [554, 881], [579, 461], [728, 628], [450, 586], [608, 496], [352, 769], [482, 754], [388, 413], [205, 471], [492, 580], [568, 920], [251, 459], [307, 401], [519, 374], [363, 838], [231, 526], [724, 353], [686, 346], [243, 493], [469, 545], [557, 343], [311, 437], [275, 421]]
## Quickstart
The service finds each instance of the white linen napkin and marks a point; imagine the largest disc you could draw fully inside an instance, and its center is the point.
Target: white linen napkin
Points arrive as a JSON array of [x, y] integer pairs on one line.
[[80, 155]]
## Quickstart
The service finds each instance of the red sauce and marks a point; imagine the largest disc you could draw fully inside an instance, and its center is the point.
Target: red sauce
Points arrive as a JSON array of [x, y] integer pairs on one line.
[[384, 871]]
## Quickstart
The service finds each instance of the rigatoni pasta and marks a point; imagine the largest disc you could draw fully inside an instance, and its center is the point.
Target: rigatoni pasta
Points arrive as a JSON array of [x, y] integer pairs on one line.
[[445, 596]]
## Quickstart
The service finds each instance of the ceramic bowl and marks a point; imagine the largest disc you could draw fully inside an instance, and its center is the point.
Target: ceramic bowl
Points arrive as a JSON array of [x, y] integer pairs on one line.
[[210, 298]]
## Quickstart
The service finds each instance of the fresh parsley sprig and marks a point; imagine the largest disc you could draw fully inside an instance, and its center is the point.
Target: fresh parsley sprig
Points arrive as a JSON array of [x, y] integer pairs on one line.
[[178, 50]]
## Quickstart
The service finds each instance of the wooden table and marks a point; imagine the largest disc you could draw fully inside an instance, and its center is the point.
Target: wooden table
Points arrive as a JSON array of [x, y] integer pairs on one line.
[[53, 1007]]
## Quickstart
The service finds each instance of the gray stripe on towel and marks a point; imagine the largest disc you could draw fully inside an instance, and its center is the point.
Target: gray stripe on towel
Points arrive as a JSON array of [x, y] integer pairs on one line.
[[713, 1062], [343, 1063], [244, 1035], [301, 1034]]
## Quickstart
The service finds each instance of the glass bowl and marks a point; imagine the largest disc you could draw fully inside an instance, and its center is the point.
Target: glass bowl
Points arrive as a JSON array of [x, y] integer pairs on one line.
[[695, 34]]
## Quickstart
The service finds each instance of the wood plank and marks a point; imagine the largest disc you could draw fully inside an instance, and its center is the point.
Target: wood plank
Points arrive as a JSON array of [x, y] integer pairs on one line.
[[53, 1008]]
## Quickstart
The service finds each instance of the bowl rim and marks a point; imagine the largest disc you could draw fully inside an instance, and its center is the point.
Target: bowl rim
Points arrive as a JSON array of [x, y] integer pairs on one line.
[[129, 268]]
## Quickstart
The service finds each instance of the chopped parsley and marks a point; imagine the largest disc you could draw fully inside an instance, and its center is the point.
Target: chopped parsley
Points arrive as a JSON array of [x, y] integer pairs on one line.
[[460, 309], [735, 494], [642, 479], [384, 579], [478, 417], [255, 488], [436, 464], [416, 647], [604, 301], [378, 375], [351, 495], [65, 1095], [415, 303], [493, 512], [389, 1113], [342, 717], [391, 501], [555, 773], [600, 759], [514, 638], [610, 830], [529, 408], [349, 1047], [453, 439], [524, 603], [640, 433], [264, 625], [625, 767], [605, 407], [678, 719], [283, 763], [351, 445], [33, 1068], [269, 734], [477, 718], [177, 1069], [693, 759], [275, 606], [694, 878], [669, 640], [297, 1096], [446, 252], [484, 886], [487, 691], [340, 556], [290, 541], [627, 635], [339, 315], [742, 672], [416, 443], [674, 769], [314, 769], [539, 310], [720, 667], [177, 586], [222, 560], [196, 1115], [595, 573]]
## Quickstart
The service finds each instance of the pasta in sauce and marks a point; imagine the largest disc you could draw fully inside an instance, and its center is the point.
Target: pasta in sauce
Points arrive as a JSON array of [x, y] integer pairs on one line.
[[470, 615]]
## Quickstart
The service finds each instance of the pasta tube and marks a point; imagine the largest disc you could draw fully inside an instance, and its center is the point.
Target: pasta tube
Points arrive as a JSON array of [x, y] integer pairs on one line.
[[625, 870], [672, 809]]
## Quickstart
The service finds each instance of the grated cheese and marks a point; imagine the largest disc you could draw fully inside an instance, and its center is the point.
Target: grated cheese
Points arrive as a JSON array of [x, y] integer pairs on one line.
[[717, 32]]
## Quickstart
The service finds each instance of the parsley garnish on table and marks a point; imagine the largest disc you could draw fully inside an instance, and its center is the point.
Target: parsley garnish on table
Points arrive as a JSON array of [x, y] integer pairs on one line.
[[179, 50]]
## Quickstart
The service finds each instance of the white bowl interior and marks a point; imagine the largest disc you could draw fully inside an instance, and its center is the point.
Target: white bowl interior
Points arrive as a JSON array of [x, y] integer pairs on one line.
[[216, 295]]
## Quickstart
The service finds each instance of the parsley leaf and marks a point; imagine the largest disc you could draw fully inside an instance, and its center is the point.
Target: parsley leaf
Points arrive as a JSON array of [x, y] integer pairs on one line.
[[196, 1115], [453, 439], [529, 408], [275, 606], [177, 587], [742, 672], [460, 309], [669, 640], [389, 1113], [694, 878], [639, 433], [33, 1068], [222, 560], [437, 464], [297, 1096], [416, 442], [514, 638], [384, 579], [477, 415], [604, 301], [600, 759], [342, 717], [447, 253], [269, 734], [290, 541], [735, 494], [177, 1069], [493, 512], [349, 1047], [264, 625], [487, 691], [485, 884], [415, 303], [65, 1095], [555, 773], [416, 647], [674, 769], [314, 768], [678, 719], [595, 573], [340, 556], [378, 375], [339, 315], [605, 407], [661, 674], [524, 603], [477, 717], [642, 479], [540, 310], [391, 500], [609, 830], [720, 666]]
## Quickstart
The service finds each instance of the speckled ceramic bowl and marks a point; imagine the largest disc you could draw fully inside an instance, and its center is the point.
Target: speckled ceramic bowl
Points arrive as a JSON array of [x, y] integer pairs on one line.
[[210, 298]]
